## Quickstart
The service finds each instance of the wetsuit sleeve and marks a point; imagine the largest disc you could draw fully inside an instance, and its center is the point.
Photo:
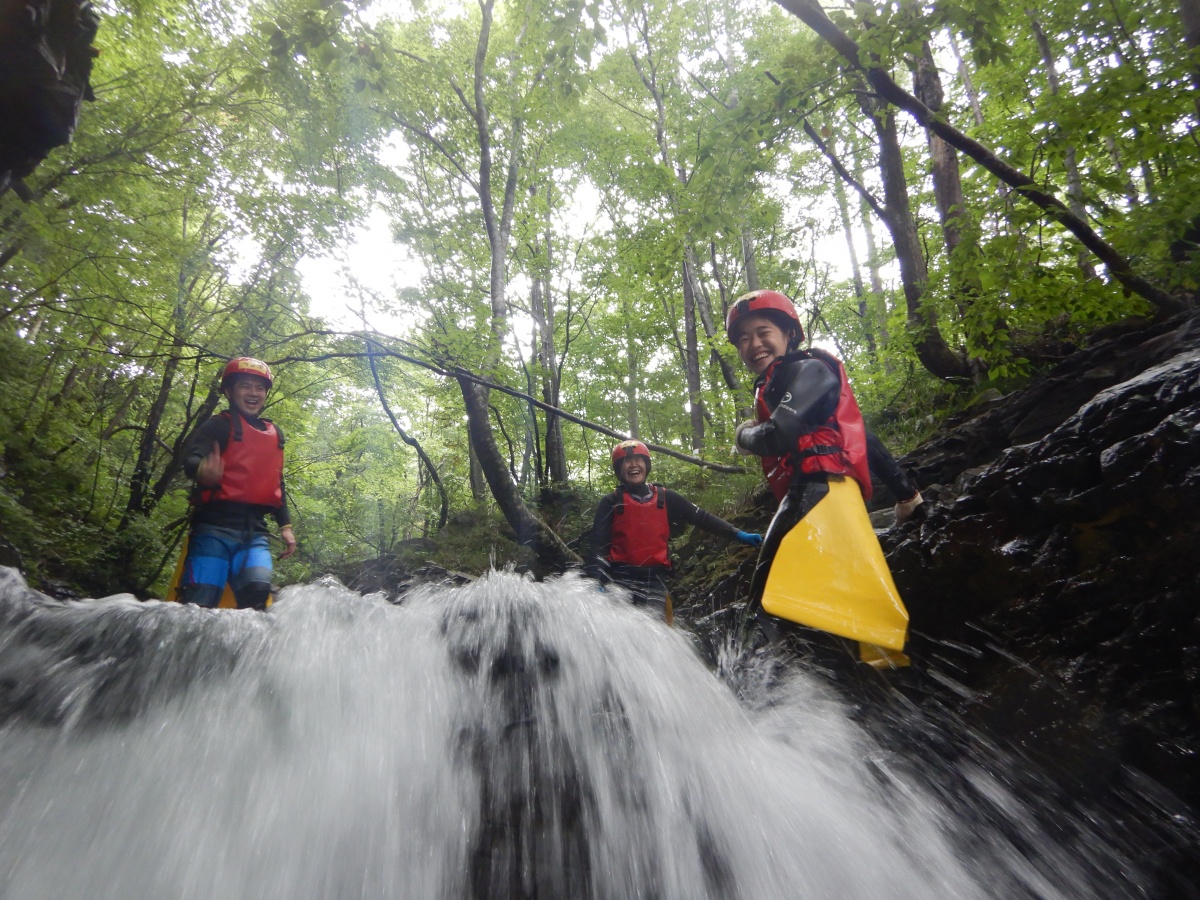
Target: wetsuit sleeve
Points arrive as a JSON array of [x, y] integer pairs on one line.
[[884, 466], [809, 397], [597, 566], [681, 511], [200, 443]]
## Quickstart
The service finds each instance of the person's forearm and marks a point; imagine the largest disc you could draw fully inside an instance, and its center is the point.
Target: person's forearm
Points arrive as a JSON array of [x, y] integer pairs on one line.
[[884, 466], [809, 399], [763, 439], [283, 515], [681, 511], [200, 444]]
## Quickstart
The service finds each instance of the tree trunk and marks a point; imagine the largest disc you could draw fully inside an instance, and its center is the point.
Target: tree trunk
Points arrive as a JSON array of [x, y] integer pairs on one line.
[[958, 233], [547, 357], [704, 306], [632, 371], [531, 531], [1189, 15], [878, 297], [692, 357], [947, 184], [139, 502], [964, 75], [748, 256], [475, 470], [424, 457], [933, 352], [864, 313]]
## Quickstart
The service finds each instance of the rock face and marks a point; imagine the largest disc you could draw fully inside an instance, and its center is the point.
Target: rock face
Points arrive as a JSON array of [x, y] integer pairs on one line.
[[1057, 566], [46, 58]]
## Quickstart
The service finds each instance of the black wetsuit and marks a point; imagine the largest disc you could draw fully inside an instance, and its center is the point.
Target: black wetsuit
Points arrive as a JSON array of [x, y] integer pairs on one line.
[[812, 389], [646, 583]]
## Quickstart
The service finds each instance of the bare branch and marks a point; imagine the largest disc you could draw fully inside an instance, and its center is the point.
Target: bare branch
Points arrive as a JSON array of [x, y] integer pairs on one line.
[[457, 372]]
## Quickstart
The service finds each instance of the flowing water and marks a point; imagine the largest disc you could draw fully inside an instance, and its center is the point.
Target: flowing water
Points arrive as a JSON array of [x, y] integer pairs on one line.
[[505, 739]]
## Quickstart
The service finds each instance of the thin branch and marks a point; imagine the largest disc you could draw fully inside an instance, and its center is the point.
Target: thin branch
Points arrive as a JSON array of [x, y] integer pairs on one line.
[[452, 371], [436, 144], [843, 173], [411, 441]]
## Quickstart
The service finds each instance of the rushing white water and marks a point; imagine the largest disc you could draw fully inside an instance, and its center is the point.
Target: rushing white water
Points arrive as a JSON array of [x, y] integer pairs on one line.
[[503, 739]]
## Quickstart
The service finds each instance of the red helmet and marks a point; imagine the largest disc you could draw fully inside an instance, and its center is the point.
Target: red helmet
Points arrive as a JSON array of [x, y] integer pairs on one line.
[[629, 448], [773, 303], [245, 365]]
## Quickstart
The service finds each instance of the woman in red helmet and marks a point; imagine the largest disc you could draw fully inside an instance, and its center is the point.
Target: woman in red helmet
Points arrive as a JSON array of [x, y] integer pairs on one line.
[[236, 459], [634, 524], [808, 425]]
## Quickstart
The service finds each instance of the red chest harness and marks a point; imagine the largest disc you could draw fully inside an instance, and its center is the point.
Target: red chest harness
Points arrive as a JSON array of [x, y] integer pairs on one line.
[[253, 462], [640, 530], [839, 446]]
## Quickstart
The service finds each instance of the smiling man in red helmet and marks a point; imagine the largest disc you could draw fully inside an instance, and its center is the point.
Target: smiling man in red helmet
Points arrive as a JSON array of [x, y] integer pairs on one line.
[[236, 459], [634, 524]]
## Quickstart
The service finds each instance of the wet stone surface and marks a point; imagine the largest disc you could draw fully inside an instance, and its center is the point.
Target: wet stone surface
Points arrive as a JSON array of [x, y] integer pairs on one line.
[[1079, 555]]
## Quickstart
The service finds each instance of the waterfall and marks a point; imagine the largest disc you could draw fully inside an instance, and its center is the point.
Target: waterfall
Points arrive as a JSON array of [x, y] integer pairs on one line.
[[504, 739]]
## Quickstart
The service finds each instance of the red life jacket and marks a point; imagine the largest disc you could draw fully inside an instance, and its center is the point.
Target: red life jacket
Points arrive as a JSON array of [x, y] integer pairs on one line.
[[838, 447], [253, 466], [640, 530]]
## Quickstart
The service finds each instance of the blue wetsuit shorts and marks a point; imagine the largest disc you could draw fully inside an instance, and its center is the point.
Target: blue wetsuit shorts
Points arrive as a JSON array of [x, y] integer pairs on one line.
[[218, 555]]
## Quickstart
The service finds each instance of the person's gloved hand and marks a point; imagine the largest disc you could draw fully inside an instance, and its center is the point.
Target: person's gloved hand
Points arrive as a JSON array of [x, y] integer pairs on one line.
[[906, 508], [749, 537], [600, 588], [737, 444]]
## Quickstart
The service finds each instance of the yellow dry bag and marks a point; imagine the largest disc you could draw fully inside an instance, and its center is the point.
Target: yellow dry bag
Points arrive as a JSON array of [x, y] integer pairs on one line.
[[830, 573]]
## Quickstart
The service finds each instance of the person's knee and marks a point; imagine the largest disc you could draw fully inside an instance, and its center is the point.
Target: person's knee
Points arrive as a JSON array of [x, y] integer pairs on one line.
[[207, 595], [254, 595]]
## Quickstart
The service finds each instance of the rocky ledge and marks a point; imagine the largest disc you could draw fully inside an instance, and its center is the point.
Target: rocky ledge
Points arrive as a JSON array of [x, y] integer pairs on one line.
[[1056, 569]]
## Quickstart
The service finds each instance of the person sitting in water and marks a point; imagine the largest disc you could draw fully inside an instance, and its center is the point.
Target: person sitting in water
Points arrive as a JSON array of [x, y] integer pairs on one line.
[[808, 427], [634, 524], [236, 459]]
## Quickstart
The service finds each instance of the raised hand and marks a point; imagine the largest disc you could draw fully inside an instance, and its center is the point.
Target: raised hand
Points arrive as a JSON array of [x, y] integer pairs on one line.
[[212, 467]]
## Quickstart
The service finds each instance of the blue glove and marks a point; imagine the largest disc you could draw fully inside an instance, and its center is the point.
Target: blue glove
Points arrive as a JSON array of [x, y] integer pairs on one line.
[[748, 537]]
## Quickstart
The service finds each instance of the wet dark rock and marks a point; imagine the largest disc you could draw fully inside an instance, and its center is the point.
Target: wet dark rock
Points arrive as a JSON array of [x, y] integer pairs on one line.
[[1075, 545], [395, 574], [91, 663], [46, 56], [9, 555]]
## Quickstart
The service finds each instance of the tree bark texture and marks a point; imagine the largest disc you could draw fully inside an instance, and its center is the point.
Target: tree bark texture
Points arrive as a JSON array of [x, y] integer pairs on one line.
[[530, 531], [1189, 15], [860, 293], [704, 306], [958, 233], [750, 262], [692, 348], [542, 302], [931, 347]]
